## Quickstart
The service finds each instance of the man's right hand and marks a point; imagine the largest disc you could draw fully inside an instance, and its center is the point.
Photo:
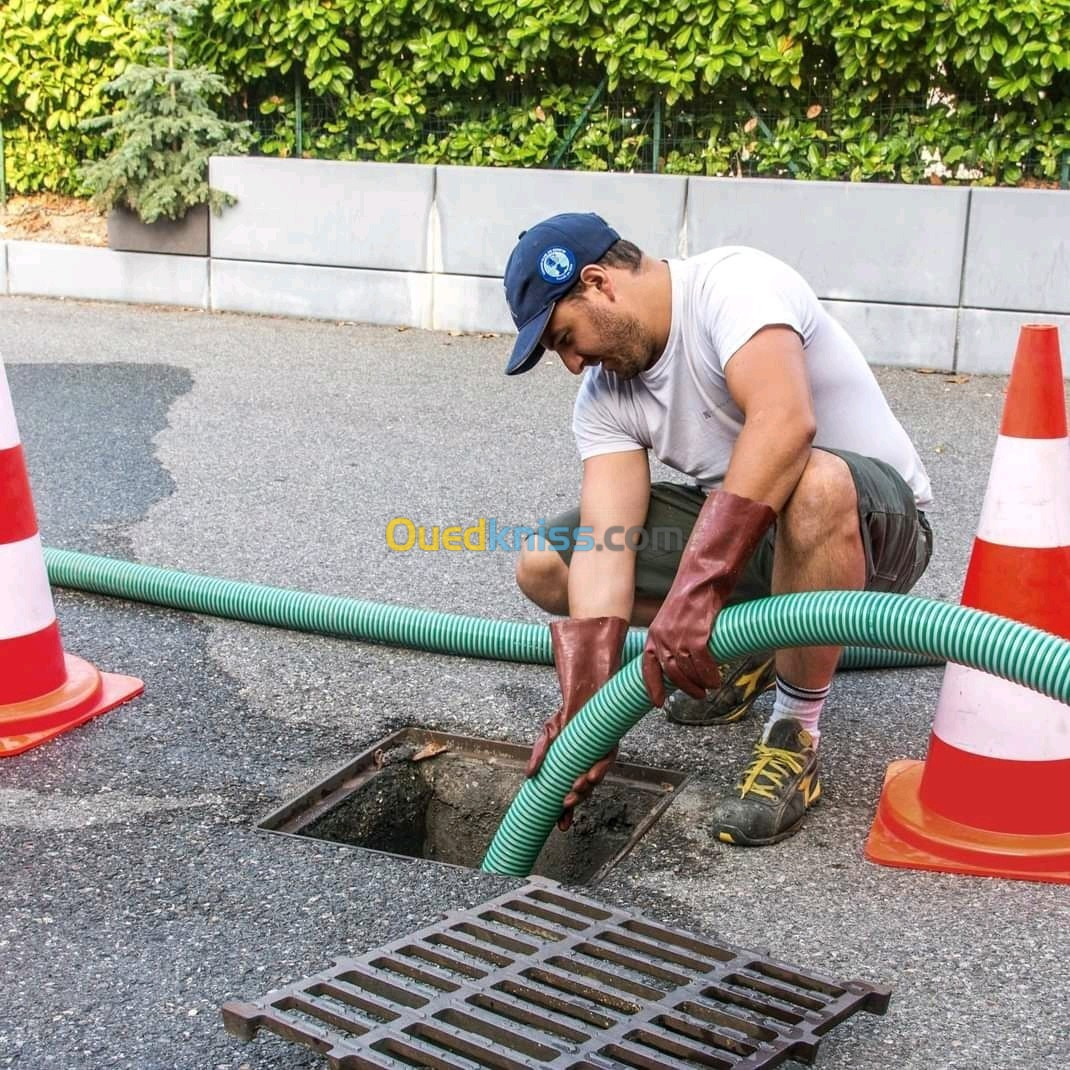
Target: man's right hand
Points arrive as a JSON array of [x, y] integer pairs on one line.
[[586, 654]]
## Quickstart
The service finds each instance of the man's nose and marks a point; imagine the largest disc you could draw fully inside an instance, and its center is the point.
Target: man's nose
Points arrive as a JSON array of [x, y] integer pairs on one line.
[[573, 361]]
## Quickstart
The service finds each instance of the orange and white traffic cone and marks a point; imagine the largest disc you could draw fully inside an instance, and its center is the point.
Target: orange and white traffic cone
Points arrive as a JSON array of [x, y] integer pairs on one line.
[[993, 796], [43, 691]]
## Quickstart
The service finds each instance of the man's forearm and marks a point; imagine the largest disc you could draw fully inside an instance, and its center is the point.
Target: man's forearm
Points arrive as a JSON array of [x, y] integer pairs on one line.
[[768, 459], [601, 583]]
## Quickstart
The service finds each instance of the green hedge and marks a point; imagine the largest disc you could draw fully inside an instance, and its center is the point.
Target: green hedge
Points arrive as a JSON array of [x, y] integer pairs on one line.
[[54, 58], [893, 90]]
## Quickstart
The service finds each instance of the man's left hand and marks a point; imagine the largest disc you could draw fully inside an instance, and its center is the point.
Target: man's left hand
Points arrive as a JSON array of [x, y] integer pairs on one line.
[[726, 533], [677, 644]]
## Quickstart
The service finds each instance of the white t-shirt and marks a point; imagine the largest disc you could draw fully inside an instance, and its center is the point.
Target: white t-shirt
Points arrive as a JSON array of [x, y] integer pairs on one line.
[[680, 407]]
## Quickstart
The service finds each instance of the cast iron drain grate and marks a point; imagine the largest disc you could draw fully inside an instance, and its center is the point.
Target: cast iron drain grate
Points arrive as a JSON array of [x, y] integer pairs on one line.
[[542, 977]]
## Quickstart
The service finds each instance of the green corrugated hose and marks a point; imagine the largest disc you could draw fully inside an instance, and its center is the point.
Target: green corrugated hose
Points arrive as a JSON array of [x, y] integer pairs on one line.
[[349, 618], [893, 623], [983, 641]]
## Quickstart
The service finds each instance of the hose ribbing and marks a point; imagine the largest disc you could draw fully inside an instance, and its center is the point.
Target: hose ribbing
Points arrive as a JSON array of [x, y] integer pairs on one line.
[[905, 629], [347, 618], [971, 637]]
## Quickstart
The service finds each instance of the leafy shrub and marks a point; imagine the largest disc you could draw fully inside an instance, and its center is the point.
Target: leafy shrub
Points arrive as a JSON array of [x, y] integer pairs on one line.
[[918, 90], [54, 61]]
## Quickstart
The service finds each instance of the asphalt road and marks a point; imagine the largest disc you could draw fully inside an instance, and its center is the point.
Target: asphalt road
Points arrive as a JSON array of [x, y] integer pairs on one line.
[[136, 895]]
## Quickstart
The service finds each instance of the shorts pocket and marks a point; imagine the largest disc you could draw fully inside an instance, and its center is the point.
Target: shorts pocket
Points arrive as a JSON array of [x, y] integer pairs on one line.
[[891, 545]]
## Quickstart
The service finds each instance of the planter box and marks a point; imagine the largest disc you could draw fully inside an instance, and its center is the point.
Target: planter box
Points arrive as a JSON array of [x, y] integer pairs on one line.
[[187, 236]]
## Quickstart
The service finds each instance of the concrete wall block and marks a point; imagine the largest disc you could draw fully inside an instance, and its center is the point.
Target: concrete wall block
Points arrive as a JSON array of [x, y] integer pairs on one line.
[[51, 270], [3, 267], [850, 240], [1019, 250], [391, 298], [483, 209], [470, 303], [326, 212], [987, 340], [909, 336]]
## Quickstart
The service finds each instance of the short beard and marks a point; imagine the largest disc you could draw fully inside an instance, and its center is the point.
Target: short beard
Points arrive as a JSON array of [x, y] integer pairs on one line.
[[624, 342]]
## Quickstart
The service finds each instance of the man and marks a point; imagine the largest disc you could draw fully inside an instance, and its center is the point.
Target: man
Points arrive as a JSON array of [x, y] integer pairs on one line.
[[728, 369]]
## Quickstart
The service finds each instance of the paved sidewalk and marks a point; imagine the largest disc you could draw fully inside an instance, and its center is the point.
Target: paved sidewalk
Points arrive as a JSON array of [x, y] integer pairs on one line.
[[136, 896]]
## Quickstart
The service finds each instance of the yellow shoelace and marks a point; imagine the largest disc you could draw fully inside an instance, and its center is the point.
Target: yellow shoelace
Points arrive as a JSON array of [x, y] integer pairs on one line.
[[771, 764]]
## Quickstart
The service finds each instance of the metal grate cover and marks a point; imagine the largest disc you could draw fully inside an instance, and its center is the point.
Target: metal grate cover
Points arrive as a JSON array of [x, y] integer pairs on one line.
[[542, 977]]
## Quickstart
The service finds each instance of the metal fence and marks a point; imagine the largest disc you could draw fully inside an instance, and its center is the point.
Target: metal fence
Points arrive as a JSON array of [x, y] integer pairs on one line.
[[621, 133], [612, 132]]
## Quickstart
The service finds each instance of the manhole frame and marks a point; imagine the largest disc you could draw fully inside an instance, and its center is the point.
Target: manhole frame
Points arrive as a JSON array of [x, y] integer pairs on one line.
[[292, 817]]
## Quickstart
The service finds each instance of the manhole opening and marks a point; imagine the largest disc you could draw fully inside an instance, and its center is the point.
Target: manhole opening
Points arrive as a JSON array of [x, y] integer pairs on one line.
[[440, 796]]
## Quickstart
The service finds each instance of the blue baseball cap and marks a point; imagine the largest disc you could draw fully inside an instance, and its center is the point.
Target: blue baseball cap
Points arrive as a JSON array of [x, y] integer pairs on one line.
[[543, 266]]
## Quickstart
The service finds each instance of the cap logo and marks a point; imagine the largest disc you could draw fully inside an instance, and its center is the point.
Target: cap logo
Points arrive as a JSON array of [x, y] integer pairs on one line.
[[557, 264]]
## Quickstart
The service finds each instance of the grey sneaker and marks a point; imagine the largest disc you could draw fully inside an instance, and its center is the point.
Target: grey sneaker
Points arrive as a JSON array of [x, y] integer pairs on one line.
[[779, 785], [742, 682]]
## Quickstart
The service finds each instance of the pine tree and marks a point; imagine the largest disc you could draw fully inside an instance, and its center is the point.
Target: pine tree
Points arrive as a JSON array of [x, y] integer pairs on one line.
[[166, 128]]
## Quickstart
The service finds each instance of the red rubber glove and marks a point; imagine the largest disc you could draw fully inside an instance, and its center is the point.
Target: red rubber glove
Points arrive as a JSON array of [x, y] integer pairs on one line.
[[726, 533], [586, 654]]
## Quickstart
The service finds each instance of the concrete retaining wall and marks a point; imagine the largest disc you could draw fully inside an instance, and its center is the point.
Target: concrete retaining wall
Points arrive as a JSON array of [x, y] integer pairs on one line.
[[987, 339], [920, 276], [324, 212], [481, 211], [469, 303], [903, 335], [397, 298], [51, 270], [851, 241], [1018, 255]]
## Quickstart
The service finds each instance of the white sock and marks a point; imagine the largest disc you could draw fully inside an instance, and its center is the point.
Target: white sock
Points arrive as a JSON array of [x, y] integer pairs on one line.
[[804, 704]]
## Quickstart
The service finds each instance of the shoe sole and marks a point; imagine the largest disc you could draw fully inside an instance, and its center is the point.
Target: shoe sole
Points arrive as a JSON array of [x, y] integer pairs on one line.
[[737, 713], [731, 835]]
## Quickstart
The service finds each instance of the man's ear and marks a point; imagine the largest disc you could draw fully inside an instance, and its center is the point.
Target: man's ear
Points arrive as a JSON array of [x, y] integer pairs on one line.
[[594, 276]]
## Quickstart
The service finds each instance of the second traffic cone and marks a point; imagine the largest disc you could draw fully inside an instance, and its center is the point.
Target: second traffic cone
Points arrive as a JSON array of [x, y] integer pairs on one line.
[[43, 691], [993, 796]]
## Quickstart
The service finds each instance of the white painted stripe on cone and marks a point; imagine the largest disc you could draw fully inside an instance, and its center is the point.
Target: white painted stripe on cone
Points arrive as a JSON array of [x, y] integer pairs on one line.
[[9, 431], [1028, 498], [988, 715], [25, 596]]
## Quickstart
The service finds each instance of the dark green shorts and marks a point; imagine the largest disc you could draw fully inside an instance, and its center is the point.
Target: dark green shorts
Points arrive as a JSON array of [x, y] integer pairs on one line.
[[896, 536]]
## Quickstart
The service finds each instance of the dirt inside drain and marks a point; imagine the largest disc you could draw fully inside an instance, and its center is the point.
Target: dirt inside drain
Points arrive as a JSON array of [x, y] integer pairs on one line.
[[438, 796]]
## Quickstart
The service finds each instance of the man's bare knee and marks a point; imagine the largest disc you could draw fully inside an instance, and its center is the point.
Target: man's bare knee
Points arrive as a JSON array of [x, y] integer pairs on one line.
[[543, 577], [824, 504]]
